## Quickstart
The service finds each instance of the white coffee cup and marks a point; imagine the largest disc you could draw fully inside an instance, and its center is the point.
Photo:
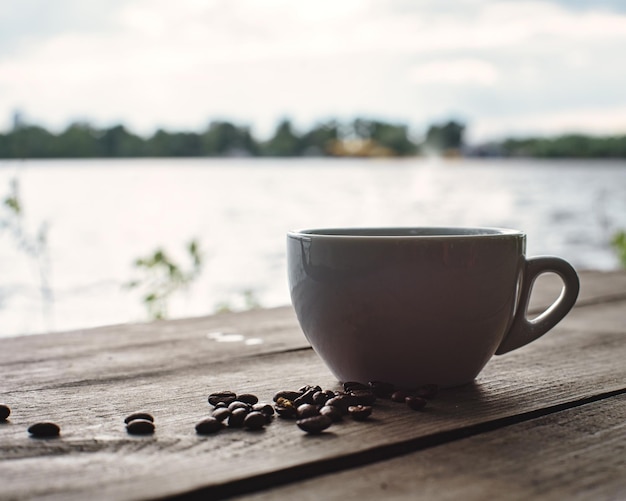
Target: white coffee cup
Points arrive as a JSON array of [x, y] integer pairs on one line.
[[413, 306]]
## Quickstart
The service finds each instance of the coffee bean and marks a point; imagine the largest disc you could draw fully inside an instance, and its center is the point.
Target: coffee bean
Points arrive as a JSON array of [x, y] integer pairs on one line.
[[360, 412], [225, 396], [307, 410], [248, 398], [45, 429], [427, 391], [208, 426], [332, 412], [5, 411], [354, 385], [289, 395], [221, 413], [382, 389], [308, 387], [237, 417], [399, 395], [255, 420], [237, 404], [342, 402], [321, 397], [285, 409], [305, 398], [314, 424], [266, 409], [140, 427], [364, 397], [139, 415], [415, 403]]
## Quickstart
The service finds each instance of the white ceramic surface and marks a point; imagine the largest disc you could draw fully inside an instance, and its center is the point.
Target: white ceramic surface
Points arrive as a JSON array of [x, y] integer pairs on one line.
[[413, 306]]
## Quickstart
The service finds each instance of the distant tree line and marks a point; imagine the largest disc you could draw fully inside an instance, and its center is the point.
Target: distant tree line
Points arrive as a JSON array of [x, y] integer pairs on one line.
[[357, 138]]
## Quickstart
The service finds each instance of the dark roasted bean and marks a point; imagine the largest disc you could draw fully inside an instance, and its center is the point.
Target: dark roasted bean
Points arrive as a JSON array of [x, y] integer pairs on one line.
[[332, 412], [139, 415], [289, 395], [45, 429], [237, 417], [286, 410], [382, 389], [315, 424], [354, 385], [220, 405], [307, 410], [321, 397], [308, 387], [225, 396], [305, 398], [255, 420], [427, 391], [140, 427], [5, 411], [342, 402], [360, 412], [236, 404], [266, 409], [363, 397], [248, 398], [399, 395], [221, 414], [415, 403], [208, 426]]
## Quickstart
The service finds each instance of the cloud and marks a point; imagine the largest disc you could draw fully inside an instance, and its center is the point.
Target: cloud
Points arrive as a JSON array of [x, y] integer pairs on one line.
[[153, 63], [455, 72]]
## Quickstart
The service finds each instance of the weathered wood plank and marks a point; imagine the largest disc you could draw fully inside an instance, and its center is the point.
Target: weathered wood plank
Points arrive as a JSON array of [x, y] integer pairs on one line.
[[95, 458], [579, 453]]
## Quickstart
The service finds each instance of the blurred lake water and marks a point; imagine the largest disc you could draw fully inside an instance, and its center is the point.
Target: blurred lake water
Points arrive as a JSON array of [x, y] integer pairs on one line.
[[103, 214]]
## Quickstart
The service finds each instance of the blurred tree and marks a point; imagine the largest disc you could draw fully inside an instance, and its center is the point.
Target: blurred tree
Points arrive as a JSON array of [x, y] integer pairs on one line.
[[445, 137], [118, 142], [318, 140], [226, 139], [284, 143]]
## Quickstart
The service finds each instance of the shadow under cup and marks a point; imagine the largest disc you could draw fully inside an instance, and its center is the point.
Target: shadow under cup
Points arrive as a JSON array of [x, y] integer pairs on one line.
[[413, 306]]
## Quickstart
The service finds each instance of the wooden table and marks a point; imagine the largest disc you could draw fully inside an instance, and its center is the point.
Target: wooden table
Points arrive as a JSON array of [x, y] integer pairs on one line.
[[544, 422]]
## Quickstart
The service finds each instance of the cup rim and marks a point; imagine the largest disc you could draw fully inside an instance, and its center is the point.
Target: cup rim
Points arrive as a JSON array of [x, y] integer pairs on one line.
[[406, 232]]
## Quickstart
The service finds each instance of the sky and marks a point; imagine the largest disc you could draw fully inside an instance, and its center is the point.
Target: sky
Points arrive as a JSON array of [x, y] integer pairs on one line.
[[505, 68]]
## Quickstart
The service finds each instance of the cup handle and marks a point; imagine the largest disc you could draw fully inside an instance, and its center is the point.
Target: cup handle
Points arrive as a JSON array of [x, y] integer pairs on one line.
[[522, 330]]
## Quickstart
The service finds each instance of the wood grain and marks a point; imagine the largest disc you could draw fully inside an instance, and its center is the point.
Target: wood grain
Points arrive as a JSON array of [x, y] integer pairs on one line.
[[576, 454], [88, 381]]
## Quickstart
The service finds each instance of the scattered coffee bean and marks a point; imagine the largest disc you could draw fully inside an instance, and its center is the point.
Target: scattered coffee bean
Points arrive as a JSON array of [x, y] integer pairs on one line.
[[248, 398], [322, 396], [139, 415], [255, 420], [314, 424], [5, 411], [308, 387], [360, 412], [225, 396], [415, 403], [221, 413], [266, 409], [382, 389], [237, 404], [341, 402], [364, 397], [354, 385], [399, 396], [427, 391], [45, 429], [208, 426], [237, 417], [140, 427], [307, 410], [332, 412], [288, 395], [306, 397], [220, 405]]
